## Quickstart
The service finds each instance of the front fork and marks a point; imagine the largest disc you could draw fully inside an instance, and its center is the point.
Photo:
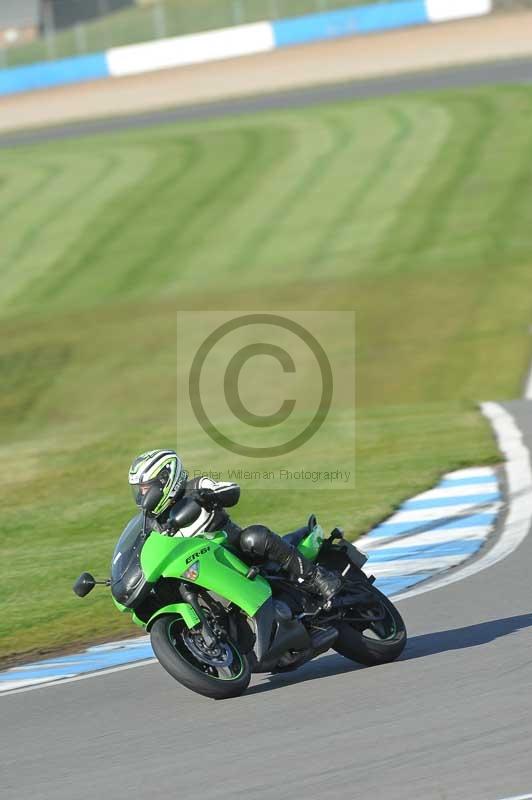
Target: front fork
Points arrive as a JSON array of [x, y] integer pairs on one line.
[[190, 596]]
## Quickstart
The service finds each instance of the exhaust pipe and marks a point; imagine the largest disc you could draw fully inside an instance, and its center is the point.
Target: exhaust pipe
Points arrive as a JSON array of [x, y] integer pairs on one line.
[[323, 640]]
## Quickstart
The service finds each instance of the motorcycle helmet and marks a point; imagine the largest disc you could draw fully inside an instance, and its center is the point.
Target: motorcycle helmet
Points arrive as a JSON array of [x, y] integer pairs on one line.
[[162, 468]]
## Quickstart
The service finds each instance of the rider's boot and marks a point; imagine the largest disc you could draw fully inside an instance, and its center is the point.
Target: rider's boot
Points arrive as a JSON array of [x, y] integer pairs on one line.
[[260, 541], [313, 577], [323, 582]]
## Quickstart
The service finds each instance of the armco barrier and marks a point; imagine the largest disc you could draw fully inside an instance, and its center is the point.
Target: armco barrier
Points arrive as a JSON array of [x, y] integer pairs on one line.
[[348, 22], [196, 48], [446, 10], [53, 73], [240, 40], [374, 18]]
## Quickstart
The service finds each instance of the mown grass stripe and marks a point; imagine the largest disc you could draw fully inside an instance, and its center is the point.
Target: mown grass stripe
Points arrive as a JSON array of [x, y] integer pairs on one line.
[[80, 270], [341, 134], [294, 238], [358, 194], [29, 242], [210, 210], [472, 117], [162, 194], [36, 185]]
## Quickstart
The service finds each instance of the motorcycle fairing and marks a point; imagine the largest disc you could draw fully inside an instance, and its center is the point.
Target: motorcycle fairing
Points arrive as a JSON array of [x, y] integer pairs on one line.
[[220, 571]]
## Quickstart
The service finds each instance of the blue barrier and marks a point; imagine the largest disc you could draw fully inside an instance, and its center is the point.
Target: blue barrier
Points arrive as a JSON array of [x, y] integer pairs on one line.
[[120, 61], [349, 21], [53, 73], [384, 16]]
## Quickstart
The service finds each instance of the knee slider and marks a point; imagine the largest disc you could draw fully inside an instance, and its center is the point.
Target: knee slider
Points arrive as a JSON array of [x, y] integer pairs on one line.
[[255, 540]]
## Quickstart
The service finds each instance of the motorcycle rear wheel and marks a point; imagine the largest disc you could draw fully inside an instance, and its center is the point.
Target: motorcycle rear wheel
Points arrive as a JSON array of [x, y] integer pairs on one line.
[[376, 642], [185, 657]]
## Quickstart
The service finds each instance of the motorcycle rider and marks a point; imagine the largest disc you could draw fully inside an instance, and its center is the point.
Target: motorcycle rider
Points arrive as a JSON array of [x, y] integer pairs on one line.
[[164, 469]]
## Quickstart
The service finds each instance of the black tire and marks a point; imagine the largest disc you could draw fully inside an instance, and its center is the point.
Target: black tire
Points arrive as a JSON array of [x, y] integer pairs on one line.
[[377, 643], [171, 643]]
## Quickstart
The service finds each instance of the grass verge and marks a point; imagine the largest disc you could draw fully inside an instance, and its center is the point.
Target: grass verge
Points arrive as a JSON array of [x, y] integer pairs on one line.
[[414, 211]]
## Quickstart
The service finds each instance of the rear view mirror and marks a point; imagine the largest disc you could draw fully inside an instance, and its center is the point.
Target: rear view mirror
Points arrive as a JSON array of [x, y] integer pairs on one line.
[[84, 584], [183, 513]]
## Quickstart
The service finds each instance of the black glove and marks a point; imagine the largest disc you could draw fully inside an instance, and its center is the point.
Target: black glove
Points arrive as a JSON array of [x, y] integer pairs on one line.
[[206, 498]]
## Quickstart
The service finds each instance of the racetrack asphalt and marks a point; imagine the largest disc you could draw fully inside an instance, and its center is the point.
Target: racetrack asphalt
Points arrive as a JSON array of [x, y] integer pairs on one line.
[[450, 720], [497, 72]]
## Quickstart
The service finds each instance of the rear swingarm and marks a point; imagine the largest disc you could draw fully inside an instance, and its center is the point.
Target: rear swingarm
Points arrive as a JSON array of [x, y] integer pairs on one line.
[[339, 615], [362, 597], [373, 618]]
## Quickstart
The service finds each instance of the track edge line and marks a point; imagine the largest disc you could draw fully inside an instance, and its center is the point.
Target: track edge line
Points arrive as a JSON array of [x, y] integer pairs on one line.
[[519, 517]]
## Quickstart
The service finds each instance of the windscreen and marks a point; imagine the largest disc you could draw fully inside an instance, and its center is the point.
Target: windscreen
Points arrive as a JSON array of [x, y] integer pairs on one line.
[[127, 578], [127, 548]]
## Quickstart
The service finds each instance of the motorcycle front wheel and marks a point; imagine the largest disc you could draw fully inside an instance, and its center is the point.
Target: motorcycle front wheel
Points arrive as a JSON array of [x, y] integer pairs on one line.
[[220, 672], [373, 642]]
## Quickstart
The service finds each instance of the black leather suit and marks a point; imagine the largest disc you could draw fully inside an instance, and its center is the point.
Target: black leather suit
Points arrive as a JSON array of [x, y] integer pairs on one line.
[[214, 497]]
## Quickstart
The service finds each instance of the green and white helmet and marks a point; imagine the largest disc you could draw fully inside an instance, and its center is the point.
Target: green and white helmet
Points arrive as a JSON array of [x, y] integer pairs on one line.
[[158, 467]]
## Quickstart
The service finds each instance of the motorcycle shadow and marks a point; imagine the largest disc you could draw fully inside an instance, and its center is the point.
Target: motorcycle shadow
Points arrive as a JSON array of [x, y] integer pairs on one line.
[[429, 644], [326, 666], [421, 646]]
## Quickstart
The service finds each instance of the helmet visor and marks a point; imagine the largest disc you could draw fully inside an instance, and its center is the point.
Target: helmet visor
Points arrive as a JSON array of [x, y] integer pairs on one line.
[[140, 490]]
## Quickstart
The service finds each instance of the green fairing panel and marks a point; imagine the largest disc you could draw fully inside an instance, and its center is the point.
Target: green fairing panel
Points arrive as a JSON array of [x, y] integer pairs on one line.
[[119, 606], [220, 570], [311, 545], [183, 610], [134, 617]]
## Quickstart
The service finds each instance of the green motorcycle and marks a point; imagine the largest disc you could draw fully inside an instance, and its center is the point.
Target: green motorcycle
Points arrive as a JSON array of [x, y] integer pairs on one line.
[[214, 619]]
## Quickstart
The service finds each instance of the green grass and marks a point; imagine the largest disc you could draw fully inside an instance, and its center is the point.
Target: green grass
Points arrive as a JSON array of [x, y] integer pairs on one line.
[[414, 211], [178, 17]]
